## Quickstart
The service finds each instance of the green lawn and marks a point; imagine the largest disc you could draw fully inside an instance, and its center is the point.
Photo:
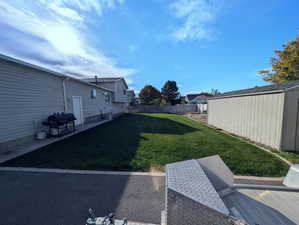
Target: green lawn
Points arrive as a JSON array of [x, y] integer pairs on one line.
[[142, 142]]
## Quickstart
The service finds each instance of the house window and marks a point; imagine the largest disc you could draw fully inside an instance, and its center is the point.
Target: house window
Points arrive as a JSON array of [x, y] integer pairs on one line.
[[125, 92]]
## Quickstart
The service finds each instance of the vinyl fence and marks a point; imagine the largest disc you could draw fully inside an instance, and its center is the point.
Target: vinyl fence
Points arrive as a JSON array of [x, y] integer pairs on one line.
[[176, 109]]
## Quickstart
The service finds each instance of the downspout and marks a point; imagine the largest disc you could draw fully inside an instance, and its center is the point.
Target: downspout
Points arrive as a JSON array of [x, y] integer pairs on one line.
[[64, 94]]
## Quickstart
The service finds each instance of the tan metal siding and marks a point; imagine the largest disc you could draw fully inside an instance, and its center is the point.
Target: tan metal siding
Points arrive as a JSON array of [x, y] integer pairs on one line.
[[290, 120], [257, 117], [27, 97]]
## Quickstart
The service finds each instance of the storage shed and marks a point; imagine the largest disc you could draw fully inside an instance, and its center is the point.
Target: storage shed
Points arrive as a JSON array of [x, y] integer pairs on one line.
[[268, 115]]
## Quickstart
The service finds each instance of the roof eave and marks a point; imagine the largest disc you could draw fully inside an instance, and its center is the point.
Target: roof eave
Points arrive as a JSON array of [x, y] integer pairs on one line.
[[248, 94], [61, 75]]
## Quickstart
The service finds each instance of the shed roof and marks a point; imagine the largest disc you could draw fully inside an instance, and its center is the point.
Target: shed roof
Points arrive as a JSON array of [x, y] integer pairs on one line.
[[260, 90], [189, 179], [51, 72]]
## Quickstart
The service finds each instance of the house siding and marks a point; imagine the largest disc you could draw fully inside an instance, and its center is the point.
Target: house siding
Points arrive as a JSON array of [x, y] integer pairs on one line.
[[291, 121], [27, 97], [257, 117], [91, 106], [119, 89]]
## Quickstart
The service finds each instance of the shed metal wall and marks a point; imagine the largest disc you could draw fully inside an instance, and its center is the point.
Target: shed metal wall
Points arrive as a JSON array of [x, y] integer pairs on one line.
[[290, 132], [27, 97], [257, 117]]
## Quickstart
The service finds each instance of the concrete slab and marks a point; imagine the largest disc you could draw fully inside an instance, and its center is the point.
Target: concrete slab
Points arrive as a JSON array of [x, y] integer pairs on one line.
[[264, 207], [64, 198]]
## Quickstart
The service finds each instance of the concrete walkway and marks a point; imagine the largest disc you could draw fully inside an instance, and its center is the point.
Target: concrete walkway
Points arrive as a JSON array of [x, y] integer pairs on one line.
[[14, 151]]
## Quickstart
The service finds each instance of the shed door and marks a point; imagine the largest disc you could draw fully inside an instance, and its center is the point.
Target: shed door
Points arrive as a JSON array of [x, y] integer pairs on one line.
[[77, 109]]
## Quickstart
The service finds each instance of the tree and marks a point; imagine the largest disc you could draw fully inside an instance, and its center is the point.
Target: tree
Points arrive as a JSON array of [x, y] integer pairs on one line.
[[285, 66], [215, 92], [170, 92], [150, 95]]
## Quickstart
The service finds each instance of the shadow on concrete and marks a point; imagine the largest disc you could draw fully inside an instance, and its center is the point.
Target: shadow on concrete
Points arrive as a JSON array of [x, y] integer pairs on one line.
[[255, 212], [64, 199]]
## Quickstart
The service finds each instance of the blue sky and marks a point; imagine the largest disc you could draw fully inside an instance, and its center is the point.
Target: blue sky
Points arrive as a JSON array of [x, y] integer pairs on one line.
[[201, 44]]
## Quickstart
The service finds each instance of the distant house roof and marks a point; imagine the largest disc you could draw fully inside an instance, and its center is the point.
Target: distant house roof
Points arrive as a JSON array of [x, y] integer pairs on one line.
[[192, 97], [275, 88], [104, 80], [51, 72], [200, 99], [131, 92]]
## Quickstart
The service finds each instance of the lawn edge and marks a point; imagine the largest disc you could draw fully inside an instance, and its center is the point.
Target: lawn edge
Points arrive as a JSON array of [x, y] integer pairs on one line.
[[243, 140]]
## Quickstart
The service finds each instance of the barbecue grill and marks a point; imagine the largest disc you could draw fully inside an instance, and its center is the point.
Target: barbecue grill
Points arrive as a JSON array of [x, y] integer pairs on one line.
[[57, 120]]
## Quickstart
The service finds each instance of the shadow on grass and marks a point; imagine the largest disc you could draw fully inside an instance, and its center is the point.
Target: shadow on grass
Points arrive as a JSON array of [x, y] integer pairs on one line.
[[110, 146]]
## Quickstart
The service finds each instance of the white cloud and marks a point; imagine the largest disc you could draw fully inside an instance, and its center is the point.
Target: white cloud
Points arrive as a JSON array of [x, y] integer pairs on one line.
[[65, 12], [56, 38], [195, 16], [97, 6]]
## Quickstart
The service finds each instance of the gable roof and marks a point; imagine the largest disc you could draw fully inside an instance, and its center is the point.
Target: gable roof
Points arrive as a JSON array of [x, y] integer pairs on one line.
[[51, 72], [200, 98], [105, 80], [190, 97], [275, 88]]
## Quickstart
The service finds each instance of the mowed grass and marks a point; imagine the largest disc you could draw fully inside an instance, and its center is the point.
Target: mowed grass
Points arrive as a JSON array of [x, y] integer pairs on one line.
[[144, 142]]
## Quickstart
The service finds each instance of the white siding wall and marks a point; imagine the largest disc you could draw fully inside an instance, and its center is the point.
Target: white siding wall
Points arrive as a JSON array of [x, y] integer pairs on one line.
[[119, 89], [91, 106], [257, 117], [27, 97], [291, 123], [118, 108]]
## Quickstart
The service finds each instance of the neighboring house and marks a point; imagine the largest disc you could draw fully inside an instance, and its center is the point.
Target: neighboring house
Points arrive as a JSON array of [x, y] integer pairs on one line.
[[197, 98], [131, 97], [137, 100], [119, 87], [268, 115], [200, 99], [29, 94]]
